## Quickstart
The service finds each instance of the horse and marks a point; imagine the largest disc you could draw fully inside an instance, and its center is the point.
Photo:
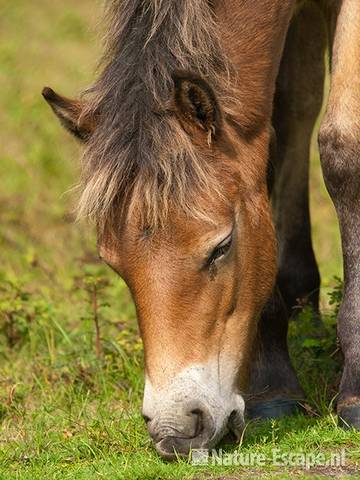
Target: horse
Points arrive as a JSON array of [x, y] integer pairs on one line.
[[195, 170]]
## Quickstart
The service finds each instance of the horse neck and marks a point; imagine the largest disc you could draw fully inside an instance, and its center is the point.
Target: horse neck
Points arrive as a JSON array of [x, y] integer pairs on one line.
[[253, 36]]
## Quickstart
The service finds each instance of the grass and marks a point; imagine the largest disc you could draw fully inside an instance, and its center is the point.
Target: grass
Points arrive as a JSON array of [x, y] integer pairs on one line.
[[69, 405]]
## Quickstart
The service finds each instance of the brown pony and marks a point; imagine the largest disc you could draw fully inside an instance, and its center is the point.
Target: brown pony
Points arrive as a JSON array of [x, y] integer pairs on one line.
[[192, 101]]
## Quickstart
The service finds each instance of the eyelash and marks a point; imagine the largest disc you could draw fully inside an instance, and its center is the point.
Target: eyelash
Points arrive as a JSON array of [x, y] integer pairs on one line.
[[220, 251]]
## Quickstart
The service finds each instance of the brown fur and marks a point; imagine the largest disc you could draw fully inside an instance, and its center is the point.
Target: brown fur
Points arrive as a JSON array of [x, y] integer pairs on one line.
[[149, 162], [340, 158], [178, 131], [139, 156], [238, 159], [181, 140]]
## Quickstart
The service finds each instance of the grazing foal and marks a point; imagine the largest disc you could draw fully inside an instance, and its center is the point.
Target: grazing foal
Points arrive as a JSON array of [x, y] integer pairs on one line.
[[178, 131]]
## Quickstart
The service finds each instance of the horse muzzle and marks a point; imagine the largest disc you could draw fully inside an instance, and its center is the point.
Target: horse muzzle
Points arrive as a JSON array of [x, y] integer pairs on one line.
[[188, 414]]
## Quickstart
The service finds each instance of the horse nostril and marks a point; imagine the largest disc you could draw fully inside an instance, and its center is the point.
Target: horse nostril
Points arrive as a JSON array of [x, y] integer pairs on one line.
[[199, 415], [196, 411], [236, 424], [232, 415], [194, 428]]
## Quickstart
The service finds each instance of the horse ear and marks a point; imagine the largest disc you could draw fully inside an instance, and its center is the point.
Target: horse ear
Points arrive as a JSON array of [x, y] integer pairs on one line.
[[196, 101], [69, 112]]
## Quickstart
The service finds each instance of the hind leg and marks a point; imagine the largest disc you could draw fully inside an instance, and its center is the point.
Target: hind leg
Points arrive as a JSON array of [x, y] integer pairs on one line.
[[274, 386], [339, 142]]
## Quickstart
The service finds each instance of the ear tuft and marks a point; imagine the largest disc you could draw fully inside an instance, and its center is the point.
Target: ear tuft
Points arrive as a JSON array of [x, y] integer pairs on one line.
[[69, 112], [197, 102], [49, 94]]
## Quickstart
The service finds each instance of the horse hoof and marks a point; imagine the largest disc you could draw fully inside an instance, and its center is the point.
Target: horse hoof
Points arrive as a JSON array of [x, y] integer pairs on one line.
[[271, 409], [349, 417]]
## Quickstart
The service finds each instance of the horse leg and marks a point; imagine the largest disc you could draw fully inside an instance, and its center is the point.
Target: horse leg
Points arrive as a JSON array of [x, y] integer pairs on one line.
[[297, 105], [339, 141], [274, 388], [274, 385]]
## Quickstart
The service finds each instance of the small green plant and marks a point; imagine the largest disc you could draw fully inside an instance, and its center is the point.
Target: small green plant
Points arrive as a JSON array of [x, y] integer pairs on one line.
[[315, 352], [19, 311], [94, 285], [336, 296]]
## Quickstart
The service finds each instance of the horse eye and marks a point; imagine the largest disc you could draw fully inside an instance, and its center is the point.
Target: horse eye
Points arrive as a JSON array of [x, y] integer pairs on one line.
[[220, 250]]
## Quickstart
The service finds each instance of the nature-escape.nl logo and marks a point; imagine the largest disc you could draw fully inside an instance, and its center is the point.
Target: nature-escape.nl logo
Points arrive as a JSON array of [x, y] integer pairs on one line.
[[277, 458]]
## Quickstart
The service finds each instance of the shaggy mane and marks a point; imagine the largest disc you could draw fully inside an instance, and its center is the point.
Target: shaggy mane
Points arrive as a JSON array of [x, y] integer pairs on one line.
[[139, 157]]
